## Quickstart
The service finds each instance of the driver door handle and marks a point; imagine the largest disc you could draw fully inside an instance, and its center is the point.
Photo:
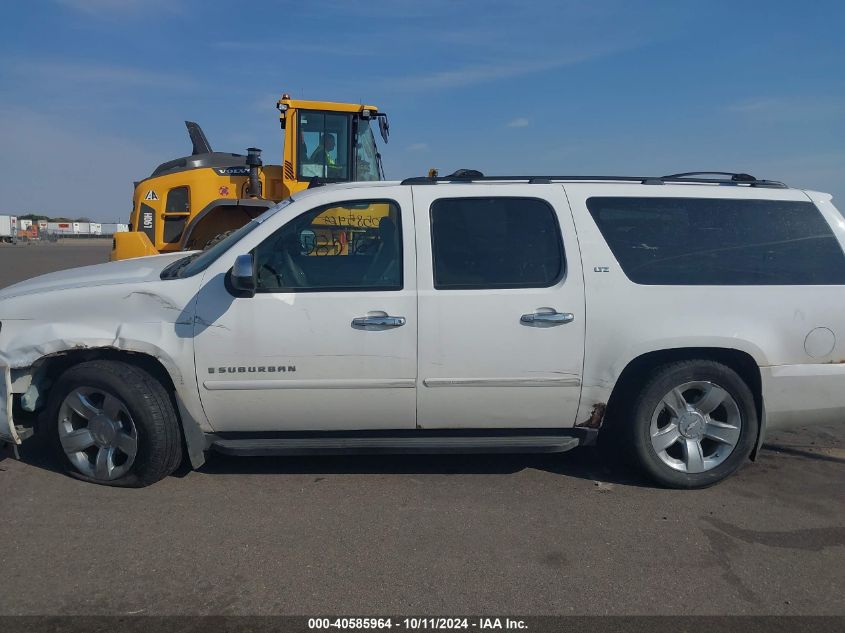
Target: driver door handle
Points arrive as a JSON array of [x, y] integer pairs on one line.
[[378, 321], [556, 318]]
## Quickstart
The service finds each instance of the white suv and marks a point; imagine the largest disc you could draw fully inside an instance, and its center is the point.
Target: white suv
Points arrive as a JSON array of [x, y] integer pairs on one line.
[[679, 317]]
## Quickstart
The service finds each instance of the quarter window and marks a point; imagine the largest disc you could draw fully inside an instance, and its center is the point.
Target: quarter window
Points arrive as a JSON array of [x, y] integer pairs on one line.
[[715, 241], [350, 246], [495, 243]]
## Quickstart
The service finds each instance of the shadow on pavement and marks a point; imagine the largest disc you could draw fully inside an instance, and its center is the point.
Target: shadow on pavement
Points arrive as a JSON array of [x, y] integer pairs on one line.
[[588, 463], [34, 452], [807, 454], [583, 463]]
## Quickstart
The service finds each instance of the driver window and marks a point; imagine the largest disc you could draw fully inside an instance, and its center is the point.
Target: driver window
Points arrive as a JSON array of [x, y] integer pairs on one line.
[[323, 146], [349, 246]]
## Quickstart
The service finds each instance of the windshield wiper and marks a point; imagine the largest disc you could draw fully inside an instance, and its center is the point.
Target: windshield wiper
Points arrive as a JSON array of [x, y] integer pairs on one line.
[[172, 271]]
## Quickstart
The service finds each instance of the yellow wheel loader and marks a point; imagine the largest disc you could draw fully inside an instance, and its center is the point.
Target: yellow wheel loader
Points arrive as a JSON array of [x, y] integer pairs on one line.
[[187, 203]]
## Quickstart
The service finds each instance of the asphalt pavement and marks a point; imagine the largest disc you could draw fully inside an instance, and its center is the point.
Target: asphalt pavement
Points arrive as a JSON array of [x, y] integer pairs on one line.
[[441, 535]]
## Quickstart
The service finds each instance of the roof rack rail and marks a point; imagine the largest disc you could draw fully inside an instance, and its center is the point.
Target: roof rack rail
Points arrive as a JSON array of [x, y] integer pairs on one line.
[[732, 179], [735, 177], [692, 177]]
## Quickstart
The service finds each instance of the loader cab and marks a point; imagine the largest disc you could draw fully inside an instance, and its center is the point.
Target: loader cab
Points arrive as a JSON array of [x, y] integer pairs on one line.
[[330, 142]]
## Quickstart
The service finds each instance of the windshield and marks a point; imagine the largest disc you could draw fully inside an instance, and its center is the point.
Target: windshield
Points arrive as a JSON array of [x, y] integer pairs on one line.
[[366, 153], [198, 262]]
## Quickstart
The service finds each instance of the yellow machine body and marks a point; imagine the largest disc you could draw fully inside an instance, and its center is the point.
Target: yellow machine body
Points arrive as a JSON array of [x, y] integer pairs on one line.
[[336, 229], [188, 202]]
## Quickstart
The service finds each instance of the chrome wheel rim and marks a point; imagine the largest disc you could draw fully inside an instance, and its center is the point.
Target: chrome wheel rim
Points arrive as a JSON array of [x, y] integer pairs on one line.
[[97, 433], [695, 427]]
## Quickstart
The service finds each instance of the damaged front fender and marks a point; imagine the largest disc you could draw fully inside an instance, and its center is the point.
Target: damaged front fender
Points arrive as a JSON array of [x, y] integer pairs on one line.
[[26, 375], [117, 309], [150, 319], [35, 342]]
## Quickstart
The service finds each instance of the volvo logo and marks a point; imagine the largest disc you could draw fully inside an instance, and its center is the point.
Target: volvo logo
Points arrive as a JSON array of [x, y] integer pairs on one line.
[[233, 171]]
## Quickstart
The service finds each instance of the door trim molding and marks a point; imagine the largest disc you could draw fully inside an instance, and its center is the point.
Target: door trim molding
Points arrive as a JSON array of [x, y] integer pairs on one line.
[[503, 382], [254, 385]]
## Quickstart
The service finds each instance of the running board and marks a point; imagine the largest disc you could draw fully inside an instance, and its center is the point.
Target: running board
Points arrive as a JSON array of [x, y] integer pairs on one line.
[[428, 444]]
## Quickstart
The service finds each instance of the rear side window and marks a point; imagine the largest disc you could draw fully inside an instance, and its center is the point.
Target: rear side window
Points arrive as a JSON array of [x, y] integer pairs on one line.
[[708, 241], [495, 243]]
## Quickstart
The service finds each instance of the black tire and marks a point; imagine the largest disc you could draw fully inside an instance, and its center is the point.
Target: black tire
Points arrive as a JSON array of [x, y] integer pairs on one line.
[[159, 435], [662, 380]]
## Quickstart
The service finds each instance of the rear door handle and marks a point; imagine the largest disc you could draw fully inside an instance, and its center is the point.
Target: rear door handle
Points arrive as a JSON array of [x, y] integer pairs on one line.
[[378, 321], [554, 318]]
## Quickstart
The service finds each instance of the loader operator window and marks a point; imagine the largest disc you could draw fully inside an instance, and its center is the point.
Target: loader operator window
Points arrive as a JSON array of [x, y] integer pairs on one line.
[[177, 200], [176, 211], [323, 146], [366, 161], [351, 246]]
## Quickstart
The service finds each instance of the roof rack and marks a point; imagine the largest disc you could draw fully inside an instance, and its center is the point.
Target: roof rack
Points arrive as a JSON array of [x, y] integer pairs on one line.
[[692, 177]]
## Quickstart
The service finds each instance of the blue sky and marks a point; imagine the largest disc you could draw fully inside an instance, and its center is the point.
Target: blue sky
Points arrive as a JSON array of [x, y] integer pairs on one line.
[[93, 93]]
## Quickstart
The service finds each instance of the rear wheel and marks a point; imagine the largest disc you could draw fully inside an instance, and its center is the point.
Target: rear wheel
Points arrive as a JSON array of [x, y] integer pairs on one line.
[[694, 424], [114, 424]]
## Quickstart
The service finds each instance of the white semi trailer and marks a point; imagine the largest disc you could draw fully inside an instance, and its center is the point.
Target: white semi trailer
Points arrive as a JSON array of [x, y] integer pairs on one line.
[[8, 228]]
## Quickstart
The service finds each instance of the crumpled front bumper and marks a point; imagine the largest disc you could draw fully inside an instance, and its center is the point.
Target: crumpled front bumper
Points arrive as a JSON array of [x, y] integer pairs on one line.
[[8, 432]]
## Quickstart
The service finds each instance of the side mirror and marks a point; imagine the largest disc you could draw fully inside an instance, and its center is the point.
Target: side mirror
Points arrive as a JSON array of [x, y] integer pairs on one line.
[[384, 127], [243, 275]]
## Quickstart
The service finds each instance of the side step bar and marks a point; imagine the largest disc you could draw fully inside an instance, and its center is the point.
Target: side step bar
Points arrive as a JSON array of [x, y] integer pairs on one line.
[[403, 444]]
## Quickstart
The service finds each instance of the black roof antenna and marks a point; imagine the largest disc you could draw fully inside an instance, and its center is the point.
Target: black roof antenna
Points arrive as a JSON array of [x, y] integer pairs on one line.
[[201, 144]]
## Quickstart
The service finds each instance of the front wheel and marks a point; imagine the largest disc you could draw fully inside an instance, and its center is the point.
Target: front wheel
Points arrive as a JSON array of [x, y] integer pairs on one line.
[[694, 424], [114, 424]]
